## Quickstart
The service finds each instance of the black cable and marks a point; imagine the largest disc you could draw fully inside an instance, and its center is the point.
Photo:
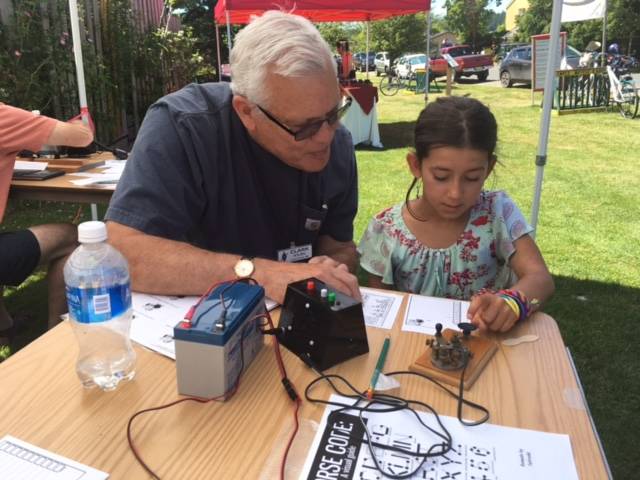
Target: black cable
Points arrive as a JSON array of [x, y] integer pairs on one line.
[[392, 403], [223, 314], [118, 152], [389, 403]]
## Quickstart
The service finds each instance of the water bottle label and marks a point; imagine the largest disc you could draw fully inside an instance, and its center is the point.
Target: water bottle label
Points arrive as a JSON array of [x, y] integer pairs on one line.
[[94, 305]]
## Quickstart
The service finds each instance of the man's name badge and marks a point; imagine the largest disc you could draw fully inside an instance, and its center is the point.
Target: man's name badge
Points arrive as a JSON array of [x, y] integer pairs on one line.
[[295, 253]]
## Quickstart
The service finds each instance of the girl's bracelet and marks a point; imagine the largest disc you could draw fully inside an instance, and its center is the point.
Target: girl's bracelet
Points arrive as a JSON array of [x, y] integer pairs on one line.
[[524, 307], [517, 301]]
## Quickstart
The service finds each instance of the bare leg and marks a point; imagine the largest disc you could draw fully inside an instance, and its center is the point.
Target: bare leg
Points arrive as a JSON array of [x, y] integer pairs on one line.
[[56, 241]]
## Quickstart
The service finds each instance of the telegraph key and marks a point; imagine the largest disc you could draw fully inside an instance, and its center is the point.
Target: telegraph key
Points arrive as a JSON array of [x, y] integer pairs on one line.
[[449, 354], [321, 326], [208, 349]]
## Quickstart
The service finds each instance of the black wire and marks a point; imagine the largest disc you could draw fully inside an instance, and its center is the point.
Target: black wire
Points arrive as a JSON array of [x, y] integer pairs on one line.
[[392, 403], [221, 302]]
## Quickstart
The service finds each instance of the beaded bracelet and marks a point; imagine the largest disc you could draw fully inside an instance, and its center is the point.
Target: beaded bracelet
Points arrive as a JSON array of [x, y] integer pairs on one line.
[[515, 299], [518, 302]]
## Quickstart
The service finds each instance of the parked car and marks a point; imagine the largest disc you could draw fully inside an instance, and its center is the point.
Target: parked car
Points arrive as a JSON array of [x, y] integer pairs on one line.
[[382, 62], [504, 48], [516, 67], [359, 61], [406, 65]]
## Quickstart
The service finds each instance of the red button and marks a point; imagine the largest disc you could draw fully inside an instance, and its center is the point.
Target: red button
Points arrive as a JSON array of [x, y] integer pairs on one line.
[[311, 285]]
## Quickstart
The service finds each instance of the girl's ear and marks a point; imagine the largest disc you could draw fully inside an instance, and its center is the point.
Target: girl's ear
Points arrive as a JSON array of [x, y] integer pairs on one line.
[[492, 163], [414, 165]]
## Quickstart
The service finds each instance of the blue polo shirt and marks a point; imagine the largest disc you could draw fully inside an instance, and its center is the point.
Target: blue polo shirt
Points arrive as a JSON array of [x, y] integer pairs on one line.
[[195, 175]]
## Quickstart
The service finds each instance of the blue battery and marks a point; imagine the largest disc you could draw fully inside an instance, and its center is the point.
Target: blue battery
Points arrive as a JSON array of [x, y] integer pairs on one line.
[[208, 351]]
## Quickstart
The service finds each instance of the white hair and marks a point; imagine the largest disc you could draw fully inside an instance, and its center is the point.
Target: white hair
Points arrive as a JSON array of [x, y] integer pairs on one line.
[[280, 43]]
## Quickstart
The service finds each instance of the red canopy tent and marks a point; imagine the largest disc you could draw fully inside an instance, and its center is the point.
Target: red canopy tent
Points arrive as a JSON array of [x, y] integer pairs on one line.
[[240, 11]]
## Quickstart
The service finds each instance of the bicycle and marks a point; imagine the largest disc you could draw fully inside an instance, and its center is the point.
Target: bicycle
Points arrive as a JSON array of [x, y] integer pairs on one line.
[[623, 90], [390, 84]]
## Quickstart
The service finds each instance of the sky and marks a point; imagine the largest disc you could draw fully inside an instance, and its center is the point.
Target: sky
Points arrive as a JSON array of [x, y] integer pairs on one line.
[[437, 6]]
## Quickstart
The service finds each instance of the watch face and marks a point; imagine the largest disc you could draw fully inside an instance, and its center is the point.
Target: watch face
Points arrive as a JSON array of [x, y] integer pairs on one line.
[[244, 268]]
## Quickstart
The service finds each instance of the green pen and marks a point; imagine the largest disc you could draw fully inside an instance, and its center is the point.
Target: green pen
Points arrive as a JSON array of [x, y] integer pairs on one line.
[[379, 366]]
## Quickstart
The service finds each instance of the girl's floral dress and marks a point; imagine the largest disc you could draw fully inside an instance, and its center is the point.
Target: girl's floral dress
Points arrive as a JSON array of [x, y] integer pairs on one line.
[[478, 259]]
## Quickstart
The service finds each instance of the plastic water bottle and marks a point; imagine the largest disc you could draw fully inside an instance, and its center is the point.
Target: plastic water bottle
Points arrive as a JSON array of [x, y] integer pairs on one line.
[[99, 299]]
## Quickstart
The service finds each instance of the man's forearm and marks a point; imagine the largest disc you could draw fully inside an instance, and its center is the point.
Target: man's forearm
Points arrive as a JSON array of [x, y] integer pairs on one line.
[[162, 266], [168, 267]]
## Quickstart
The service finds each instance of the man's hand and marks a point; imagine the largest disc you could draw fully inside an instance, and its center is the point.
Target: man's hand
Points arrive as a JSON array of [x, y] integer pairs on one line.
[[490, 312], [337, 275], [275, 276]]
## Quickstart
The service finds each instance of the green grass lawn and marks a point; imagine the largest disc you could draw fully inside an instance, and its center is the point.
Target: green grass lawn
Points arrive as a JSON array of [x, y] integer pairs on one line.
[[588, 231]]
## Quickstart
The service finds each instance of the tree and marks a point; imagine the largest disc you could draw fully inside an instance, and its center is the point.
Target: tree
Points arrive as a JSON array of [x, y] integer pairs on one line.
[[400, 35], [334, 31], [197, 16], [623, 24], [469, 19], [535, 20]]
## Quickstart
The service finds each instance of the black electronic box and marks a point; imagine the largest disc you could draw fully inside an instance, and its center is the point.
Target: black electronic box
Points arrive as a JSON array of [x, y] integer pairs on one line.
[[320, 325]]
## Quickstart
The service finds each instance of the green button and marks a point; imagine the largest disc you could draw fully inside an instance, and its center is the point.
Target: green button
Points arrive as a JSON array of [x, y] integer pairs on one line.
[[332, 298]]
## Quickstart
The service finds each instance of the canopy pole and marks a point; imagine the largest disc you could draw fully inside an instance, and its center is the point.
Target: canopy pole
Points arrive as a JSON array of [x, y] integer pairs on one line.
[[427, 64], [229, 42], [77, 53], [218, 52], [82, 89], [604, 33], [366, 59], [549, 82]]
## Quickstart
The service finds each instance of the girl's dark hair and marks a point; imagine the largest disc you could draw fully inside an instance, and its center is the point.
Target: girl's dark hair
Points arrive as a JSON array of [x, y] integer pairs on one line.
[[455, 122]]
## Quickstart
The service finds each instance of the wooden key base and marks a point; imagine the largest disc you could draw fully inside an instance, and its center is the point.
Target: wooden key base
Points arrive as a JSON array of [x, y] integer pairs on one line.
[[481, 348]]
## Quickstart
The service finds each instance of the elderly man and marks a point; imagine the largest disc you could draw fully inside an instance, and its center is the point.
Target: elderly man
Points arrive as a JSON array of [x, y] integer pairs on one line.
[[228, 182], [22, 251]]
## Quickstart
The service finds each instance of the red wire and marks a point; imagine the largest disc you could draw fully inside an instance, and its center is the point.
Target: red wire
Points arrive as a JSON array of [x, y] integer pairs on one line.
[[283, 372], [224, 396], [293, 435]]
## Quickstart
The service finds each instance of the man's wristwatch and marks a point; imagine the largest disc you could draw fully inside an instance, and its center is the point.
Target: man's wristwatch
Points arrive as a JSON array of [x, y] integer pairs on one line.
[[244, 268]]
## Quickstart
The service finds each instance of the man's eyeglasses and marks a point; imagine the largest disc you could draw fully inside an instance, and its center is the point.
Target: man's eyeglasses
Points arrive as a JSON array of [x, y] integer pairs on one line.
[[311, 128]]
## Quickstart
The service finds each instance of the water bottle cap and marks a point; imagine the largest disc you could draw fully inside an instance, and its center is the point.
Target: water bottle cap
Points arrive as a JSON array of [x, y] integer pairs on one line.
[[92, 232]]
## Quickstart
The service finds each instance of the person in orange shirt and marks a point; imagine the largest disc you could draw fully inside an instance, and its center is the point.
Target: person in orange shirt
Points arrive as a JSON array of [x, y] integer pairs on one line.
[[346, 67], [47, 245]]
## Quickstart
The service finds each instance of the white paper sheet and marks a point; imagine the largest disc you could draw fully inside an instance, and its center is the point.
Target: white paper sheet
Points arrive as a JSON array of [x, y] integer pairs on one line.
[[20, 460], [488, 452], [154, 317], [114, 166], [23, 165], [98, 179], [424, 312], [380, 308]]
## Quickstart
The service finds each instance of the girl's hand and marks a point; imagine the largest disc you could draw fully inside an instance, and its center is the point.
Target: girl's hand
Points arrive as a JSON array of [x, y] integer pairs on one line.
[[491, 312]]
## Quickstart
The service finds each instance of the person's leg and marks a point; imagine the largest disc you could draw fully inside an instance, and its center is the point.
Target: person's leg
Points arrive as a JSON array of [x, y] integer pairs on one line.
[[56, 242], [19, 256]]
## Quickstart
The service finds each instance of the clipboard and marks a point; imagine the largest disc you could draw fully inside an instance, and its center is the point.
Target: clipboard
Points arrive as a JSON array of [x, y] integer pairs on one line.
[[35, 175]]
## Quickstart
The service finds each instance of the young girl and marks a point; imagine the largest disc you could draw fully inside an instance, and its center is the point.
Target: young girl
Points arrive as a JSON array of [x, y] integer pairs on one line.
[[455, 239]]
